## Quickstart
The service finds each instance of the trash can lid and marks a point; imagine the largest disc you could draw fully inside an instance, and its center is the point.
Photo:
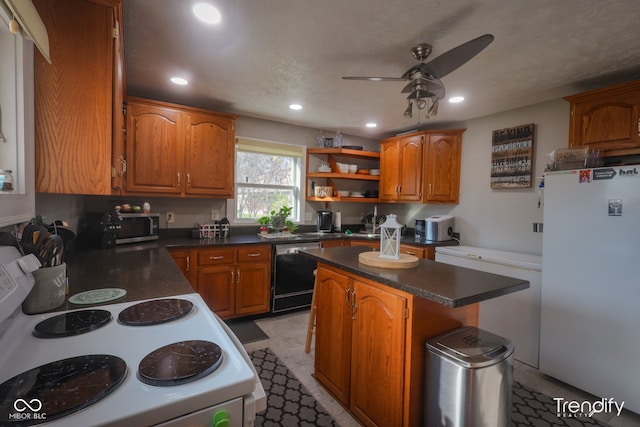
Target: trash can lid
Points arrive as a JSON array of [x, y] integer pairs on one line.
[[471, 346]]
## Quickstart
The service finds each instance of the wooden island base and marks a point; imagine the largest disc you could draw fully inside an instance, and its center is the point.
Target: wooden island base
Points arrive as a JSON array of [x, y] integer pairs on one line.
[[371, 344]]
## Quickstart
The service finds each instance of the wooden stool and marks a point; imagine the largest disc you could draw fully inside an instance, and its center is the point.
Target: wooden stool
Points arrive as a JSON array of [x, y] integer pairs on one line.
[[311, 327]]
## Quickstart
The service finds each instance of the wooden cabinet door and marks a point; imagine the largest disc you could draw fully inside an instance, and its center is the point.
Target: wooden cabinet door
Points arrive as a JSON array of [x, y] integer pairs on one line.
[[209, 155], [185, 260], [252, 288], [215, 286], [410, 167], [333, 333], [74, 98], [412, 250], [373, 244], [607, 122], [378, 350], [154, 149], [389, 170], [442, 168], [334, 243]]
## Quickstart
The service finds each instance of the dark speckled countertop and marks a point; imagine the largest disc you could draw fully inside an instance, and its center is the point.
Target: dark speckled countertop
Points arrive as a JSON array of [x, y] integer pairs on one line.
[[442, 283], [146, 270]]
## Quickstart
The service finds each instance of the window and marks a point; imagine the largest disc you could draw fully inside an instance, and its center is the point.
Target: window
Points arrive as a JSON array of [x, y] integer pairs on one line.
[[268, 176]]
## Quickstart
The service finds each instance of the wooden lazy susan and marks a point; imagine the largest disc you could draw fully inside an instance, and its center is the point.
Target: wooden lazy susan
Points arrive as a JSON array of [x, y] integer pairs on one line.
[[373, 259]]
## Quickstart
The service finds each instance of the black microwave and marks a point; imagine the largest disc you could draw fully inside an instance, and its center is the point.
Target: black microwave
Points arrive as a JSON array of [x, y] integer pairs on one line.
[[137, 227]]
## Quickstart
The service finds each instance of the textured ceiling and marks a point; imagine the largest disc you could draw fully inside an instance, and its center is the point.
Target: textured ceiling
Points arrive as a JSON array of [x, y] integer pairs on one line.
[[268, 54]]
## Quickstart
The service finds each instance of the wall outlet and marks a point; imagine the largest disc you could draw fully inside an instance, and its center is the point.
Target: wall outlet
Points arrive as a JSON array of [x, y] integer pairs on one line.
[[215, 214], [171, 217]]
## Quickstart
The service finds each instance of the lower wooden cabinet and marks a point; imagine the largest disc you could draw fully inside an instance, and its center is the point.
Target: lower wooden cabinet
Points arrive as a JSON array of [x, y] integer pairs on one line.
[[370, 345], [233, 280]]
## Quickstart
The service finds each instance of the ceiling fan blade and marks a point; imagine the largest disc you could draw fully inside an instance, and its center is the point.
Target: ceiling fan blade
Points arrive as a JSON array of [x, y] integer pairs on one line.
[[429, 84], [378, 79], [454, 58]]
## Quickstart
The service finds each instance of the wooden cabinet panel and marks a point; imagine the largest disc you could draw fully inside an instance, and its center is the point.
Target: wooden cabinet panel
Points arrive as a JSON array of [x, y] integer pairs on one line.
[[187, 263], [154, 149], [335, 243], [210, 154], [235, 280], [74, 96], [251, 294], [412, 250], [216, 256], [607, 119], [401, 168], [377, 361], [178, 150], [215, 286], [442, 167], [254, 253], [373, 244], [333, 337]]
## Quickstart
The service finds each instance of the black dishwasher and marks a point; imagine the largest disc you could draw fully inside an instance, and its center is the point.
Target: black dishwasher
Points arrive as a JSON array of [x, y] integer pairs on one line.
[[293, 277]]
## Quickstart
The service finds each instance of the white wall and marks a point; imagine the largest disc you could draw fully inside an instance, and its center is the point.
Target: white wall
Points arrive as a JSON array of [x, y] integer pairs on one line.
[[498, 219]]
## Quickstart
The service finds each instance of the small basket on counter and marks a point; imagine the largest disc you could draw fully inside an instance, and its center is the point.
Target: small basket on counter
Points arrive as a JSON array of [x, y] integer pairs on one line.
[[215, 229]]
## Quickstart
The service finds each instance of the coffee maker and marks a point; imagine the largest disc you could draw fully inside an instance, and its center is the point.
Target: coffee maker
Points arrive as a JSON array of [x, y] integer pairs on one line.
[[325, 221]]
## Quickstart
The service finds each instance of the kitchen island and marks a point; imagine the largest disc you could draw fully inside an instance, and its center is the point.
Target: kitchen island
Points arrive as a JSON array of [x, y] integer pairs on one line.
[[372, 325]]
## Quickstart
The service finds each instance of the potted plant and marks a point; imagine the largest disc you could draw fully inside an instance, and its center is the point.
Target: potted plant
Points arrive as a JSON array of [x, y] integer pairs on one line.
[[279, 217], [264, 224]]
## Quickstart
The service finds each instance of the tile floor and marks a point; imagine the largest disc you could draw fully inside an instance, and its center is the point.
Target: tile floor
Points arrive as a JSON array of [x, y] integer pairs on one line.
[[287, 334]]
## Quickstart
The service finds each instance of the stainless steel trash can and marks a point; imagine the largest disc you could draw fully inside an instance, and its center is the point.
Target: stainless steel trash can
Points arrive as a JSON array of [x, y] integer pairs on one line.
[[469, 379]]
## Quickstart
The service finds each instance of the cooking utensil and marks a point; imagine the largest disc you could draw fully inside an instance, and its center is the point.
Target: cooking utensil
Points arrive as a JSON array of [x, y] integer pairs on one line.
[[50, 251], [32, 237]]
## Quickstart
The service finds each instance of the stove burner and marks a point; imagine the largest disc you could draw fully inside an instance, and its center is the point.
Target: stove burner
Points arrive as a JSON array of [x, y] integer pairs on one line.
[[180, 363], [72, 323], [61, 388], [155, 312]]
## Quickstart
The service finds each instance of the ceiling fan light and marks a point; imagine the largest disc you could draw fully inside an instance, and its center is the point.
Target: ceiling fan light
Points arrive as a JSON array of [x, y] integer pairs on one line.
[[421, 103], [295, 106], [179, 81], [433, 110], [456, 99], [408, 113], [371, 125]]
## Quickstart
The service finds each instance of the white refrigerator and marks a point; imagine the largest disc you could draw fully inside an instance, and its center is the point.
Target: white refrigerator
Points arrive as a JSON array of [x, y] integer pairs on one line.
[[590, 304]]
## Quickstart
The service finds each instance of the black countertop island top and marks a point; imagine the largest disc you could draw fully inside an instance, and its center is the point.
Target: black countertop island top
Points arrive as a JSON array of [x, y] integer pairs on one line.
[[442, 283]]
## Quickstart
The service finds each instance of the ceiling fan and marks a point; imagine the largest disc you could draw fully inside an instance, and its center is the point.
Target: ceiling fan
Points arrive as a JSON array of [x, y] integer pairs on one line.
[[425, 88]]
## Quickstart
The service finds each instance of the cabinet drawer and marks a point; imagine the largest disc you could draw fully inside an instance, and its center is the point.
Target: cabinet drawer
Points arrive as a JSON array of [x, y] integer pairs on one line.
[[412, 250], [216, 256], [254, 253]]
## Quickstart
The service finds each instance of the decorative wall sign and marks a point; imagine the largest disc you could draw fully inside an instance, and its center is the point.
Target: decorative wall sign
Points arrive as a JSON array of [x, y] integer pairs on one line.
[[512, 157]]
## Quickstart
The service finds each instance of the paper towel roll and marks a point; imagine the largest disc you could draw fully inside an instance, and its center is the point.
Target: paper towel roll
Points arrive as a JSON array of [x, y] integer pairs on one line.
[[338, 221]]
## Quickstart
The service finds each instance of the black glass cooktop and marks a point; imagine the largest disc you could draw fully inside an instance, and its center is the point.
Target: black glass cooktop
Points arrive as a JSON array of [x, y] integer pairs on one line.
[[155, 312], [180, 363], [72, 323], [60, 388]]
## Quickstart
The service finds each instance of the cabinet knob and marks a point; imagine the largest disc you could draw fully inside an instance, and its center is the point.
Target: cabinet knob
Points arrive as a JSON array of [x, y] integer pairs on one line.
[[188, 264], [254, 254], [178, 178], [216, 257]]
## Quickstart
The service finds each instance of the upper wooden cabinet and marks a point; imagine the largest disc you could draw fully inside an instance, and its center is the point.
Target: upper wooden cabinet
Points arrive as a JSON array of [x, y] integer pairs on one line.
[[441, 169], [177, 150], [78, 98], [401, 168], [607, 119], [421, 167]]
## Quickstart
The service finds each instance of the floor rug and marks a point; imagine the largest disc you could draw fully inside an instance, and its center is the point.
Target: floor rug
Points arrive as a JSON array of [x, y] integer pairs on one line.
[[247, 331], [530, 408], [289, 404]]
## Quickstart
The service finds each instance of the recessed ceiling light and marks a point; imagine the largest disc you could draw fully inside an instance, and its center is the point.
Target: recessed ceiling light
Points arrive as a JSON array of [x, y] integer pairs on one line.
[[207, 13], [295, 106], [371, 125], [456, 99], [179, 81]]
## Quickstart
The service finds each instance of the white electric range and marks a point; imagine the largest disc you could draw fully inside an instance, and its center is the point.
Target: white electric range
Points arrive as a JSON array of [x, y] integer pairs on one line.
[[177, 365]]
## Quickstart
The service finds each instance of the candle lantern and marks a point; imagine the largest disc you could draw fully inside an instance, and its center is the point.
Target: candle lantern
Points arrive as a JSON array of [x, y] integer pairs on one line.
[[390, 238]]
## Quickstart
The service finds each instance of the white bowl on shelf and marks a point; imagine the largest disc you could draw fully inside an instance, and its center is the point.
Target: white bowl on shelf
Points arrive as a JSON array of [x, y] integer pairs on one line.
[[374, 171], [342, 167], [353, 168], [343, 193]]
